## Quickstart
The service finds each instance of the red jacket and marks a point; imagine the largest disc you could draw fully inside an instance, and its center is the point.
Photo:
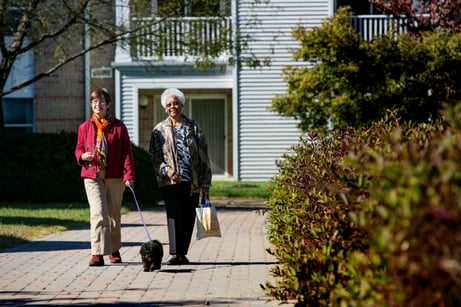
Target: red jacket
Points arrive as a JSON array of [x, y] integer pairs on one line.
[[120, 162]]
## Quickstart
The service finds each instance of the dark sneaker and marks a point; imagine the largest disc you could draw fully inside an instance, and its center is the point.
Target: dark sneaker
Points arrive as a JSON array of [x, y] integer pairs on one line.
[[96, 260], [173, 261], [184, 260], [115, 257]]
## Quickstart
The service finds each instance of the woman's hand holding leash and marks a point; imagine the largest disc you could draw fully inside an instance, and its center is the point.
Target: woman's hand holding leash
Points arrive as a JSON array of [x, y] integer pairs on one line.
[[129, 183]]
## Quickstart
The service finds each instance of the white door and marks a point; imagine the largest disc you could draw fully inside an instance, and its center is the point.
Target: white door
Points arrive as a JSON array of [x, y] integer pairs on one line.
[[209, 112], [210, 115]]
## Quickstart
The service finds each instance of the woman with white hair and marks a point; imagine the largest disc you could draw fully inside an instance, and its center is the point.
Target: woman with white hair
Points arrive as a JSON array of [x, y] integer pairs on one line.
[[179, 155]]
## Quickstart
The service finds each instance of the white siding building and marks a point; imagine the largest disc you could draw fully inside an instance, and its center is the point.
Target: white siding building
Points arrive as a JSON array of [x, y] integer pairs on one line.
[[231, 105], [263, 136]]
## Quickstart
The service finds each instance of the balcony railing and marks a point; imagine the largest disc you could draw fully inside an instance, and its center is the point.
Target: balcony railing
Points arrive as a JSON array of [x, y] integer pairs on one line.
[[370, 26], [174, 38], [182, 37]]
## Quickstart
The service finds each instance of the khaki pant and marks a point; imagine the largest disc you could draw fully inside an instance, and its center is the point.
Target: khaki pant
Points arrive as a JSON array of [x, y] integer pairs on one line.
[[105, 200]]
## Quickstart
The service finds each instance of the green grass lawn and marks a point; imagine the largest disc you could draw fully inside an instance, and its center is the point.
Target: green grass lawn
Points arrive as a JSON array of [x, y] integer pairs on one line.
[[240, 189], [23, 222]]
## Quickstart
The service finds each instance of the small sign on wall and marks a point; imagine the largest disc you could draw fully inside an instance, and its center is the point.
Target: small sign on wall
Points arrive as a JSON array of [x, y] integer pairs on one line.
[[101, 73]]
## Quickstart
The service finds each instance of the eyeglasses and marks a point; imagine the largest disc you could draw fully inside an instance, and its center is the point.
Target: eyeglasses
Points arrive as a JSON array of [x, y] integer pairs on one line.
[[98, 101]]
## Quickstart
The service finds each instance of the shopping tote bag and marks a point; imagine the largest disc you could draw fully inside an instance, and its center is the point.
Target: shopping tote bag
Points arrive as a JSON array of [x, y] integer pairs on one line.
[[207, 220]]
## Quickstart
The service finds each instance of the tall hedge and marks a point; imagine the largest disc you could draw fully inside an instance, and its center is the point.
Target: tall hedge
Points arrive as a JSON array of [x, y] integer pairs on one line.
[[42, 168], [369, 217], [415, 205], [309, 224]]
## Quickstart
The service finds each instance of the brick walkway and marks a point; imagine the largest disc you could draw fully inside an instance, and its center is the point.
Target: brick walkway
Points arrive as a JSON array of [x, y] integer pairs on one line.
[[223, 271]]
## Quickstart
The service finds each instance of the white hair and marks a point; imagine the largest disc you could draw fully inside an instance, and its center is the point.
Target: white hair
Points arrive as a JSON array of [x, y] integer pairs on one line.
[[172, 92]]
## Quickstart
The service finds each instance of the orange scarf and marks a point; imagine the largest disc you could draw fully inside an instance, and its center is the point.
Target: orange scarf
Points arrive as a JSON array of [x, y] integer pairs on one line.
[[101, 140]]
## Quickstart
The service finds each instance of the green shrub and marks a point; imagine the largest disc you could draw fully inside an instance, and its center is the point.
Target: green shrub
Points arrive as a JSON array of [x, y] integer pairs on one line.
[[42, 168], [415, 200], [368, 217], [309, 224]]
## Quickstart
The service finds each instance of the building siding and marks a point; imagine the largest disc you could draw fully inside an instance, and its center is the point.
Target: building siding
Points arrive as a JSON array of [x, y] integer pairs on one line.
[[260, 137], [133, 79], [129, 109], [264, 136]]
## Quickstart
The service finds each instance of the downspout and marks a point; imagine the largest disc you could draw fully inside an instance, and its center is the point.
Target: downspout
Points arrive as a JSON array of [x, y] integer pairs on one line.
[[235, 97], [332, 5], [87, 75]]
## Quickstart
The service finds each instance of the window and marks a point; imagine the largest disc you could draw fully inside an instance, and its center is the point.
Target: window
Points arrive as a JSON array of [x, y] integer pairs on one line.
[[12, 20], [142, 8], [359, 7], [166, 8], [18, 116]]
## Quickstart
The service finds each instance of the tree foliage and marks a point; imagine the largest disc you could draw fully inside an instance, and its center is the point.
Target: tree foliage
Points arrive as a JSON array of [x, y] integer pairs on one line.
[[342, 80], [423, 16]]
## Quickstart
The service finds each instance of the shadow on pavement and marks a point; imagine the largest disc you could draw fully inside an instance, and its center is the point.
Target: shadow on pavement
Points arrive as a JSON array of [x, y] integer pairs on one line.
[[24, 300]]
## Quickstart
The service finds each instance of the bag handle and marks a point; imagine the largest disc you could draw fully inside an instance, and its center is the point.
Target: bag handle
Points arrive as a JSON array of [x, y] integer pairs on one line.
[[205, 202]]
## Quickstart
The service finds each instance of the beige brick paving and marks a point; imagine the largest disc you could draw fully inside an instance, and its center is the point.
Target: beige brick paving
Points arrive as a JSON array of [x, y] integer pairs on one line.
[[223, 271]]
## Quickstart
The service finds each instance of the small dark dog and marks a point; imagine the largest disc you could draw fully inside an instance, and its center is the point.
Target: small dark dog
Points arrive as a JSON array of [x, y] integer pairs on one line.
[[151, 255]]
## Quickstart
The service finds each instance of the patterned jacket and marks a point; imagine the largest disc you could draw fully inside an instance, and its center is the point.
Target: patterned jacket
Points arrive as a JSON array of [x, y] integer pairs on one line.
[[163, 153]]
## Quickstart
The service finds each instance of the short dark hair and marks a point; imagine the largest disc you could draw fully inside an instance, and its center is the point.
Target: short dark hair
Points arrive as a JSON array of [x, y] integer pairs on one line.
[[101, 92]]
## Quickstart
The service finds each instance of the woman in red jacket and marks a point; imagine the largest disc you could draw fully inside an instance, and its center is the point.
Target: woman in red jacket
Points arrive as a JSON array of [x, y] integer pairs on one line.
[[105, 154]]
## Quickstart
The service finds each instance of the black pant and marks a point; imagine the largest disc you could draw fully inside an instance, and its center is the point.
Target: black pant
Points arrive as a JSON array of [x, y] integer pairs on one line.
[[180, 207]]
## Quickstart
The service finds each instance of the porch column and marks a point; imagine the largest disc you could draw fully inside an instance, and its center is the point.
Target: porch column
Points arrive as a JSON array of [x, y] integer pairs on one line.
[[122, 18]]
